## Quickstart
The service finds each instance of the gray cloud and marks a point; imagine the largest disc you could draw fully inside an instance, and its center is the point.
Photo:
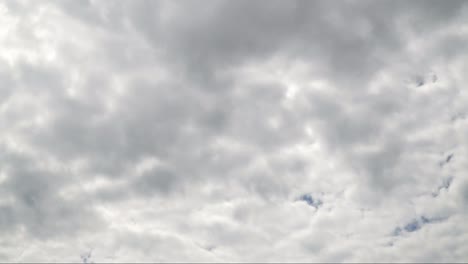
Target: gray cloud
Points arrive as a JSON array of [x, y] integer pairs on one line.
[[233, 131]]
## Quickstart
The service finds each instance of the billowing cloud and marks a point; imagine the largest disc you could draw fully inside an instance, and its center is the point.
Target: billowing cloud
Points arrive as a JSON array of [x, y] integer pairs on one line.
[[233, 131]]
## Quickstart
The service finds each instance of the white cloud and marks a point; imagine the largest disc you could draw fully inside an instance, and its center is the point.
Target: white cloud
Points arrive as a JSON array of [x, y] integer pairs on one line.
[[233, 131]]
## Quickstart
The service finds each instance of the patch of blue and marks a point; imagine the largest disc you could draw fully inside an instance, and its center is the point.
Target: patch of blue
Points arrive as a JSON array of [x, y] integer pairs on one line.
[[310, 200], [413, 226], [307, 198], [416, 224]]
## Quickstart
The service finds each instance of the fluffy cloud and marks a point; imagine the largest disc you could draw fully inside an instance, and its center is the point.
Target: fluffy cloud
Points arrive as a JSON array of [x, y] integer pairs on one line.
[[233, 131]]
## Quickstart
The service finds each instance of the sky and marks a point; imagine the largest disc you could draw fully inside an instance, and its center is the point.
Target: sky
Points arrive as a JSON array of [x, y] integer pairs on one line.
[[233, 131]]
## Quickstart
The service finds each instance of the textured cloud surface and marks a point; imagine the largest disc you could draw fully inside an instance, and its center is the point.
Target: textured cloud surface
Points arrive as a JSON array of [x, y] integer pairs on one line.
[[233, 131]]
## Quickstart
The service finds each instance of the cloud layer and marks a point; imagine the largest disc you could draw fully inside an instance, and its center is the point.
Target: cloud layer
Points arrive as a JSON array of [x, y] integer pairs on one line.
[[233, 131]]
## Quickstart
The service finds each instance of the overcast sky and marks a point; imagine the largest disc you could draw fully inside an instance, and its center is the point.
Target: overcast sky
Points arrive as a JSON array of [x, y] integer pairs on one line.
[[233, 131]]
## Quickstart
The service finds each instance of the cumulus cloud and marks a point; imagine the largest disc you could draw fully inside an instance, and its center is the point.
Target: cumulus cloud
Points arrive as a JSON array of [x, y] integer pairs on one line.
[[233, 131]]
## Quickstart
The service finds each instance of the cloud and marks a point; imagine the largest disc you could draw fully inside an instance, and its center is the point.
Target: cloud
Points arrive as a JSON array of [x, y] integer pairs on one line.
[[233, 131]]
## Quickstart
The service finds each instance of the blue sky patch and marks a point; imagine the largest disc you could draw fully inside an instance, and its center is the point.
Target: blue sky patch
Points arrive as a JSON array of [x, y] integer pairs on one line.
[[416, 224], [412, 226], [310, 200]]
